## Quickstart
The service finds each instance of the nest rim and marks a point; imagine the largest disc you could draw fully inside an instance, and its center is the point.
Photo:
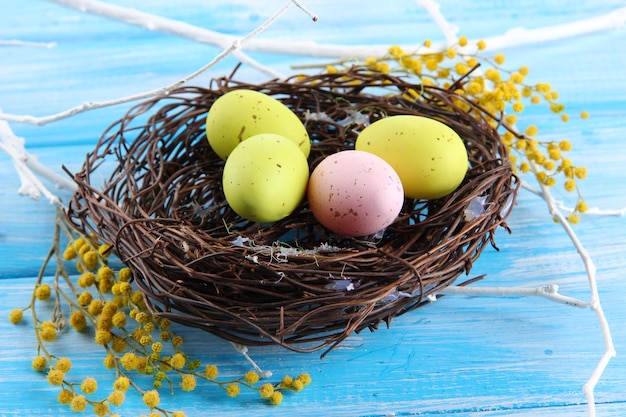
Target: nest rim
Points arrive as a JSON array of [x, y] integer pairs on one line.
[[197, 263]]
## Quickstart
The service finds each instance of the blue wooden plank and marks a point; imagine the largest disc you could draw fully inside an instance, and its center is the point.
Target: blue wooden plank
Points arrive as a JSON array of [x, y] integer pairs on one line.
[[460, 355], [512, 357]]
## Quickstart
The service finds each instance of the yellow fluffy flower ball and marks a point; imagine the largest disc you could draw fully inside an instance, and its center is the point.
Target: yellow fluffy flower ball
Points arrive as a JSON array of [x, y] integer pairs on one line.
[[47, 332], [266, 390], [116, 397], [64, 364], [39, 363], [251, 377], [276, 398], [101, 409], [89, 385], [103, 337], [42, 292], [16, 315], [121, 384], [188, 382], [151, 398], [78, 403], [129, 361], [65, 396], [177, 361], [78, 321], [211, 371], [55, 377], [232, 390]]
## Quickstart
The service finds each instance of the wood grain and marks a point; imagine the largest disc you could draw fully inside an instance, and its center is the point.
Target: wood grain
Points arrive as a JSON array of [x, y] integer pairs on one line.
[[470, 356]]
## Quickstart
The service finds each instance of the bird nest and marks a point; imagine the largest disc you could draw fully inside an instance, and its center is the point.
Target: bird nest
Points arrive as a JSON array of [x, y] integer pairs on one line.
[[152, 190]]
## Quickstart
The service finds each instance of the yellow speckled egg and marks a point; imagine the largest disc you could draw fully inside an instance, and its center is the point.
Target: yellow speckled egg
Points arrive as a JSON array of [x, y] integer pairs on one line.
[[429, 157], [265, 178], [240, 114]]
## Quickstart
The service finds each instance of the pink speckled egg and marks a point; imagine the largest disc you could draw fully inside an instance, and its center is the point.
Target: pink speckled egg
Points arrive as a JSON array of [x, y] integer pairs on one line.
[[355, 193]]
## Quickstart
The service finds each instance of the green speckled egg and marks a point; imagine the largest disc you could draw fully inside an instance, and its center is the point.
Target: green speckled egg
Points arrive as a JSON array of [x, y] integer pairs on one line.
[[240, 114], [265, 178]]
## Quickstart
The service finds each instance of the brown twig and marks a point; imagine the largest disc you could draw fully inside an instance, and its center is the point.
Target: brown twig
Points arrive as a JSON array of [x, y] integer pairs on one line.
[[163, 211]]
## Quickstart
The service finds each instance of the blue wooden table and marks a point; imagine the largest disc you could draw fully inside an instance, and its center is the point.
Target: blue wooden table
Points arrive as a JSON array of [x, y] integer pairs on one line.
[[470, 356]]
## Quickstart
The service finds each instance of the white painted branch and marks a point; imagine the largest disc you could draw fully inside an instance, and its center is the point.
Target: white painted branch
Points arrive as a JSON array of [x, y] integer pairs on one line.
[[302, 7], [16, 42], [160, 24], [561, 206], [312, 49], [434, 10], [596, 306], [520, 36], [59, 181], [230, 45], [233, 47], [27, 167], [547, 291], [244, 351], [514, 37]]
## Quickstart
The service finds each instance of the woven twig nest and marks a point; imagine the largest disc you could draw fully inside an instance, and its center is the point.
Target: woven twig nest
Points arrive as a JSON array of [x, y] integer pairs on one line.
[[152, 190]]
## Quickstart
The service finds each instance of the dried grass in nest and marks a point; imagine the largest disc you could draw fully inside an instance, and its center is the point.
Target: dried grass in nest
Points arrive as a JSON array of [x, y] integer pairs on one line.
[[152, 189]]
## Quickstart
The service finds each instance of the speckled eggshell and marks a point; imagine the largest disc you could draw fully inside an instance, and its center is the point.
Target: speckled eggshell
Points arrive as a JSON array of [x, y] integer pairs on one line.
[[355, 193], [430, 157], [265, 178], [240, 114]]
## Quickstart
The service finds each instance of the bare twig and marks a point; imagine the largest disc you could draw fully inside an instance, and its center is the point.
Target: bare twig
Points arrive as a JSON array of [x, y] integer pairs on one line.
[[595, 304], [130, 15], [434, 10], [17, 42], [160, 24], [546, 291], [28, 168], [520, 36], [302, 7], [603, 22], [243, 350], [591, 211]]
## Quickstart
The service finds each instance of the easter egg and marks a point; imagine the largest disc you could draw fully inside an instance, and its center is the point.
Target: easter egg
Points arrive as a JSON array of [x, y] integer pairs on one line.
[[429, 157], [355, 193], [265, 178], [240, 114]]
